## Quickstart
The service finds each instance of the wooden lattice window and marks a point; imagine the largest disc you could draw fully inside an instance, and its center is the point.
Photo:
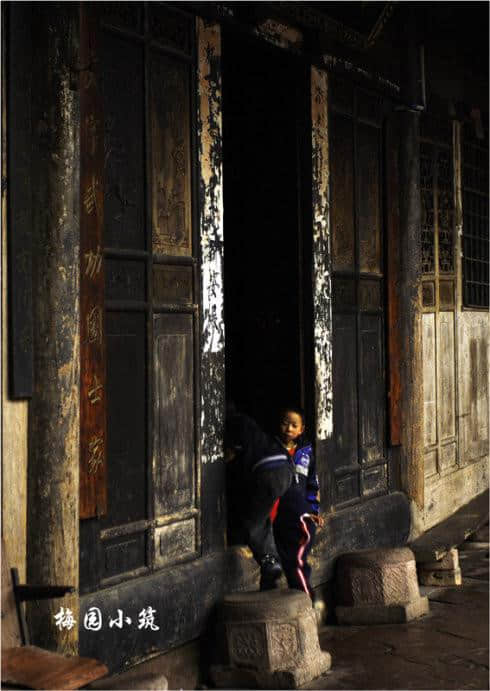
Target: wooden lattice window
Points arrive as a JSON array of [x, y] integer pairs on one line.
[[437, 197], [475, 221]]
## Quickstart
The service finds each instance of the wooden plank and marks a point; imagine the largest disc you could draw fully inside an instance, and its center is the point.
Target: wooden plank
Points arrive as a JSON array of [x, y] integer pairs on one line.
[[124, 135], [371, 389], [429, 379], [368, 202], [392, 215], [446, 408], [93, 431], [342, 190], [126, 417], [41, 669], [174, 439], [171, 156]]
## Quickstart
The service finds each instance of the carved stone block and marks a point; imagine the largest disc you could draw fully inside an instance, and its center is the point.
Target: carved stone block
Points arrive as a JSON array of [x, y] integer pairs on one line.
[[271, 641], [449, 561], [440, 577], [378, 586]]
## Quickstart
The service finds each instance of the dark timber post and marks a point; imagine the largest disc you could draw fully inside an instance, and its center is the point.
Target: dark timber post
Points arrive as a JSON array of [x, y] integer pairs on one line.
[[53, 469], [410, 323]]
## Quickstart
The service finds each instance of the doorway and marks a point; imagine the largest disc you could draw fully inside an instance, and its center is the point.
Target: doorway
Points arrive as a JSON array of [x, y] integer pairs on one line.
[[266, 306]]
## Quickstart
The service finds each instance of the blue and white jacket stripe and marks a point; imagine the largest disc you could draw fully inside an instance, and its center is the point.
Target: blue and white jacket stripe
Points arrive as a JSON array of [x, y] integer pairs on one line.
[[303, 493]]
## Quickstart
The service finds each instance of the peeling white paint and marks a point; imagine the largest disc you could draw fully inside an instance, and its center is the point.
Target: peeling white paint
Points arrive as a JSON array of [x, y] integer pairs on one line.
[[322, 282], [211, 240]]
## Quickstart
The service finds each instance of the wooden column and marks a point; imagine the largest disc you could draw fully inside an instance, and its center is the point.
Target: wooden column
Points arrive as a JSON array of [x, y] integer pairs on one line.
[[53, 499], [411, 433]]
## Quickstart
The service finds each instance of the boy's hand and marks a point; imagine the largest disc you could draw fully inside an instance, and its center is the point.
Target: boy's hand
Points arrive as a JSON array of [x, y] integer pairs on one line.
[[230, 454], [317, 519]]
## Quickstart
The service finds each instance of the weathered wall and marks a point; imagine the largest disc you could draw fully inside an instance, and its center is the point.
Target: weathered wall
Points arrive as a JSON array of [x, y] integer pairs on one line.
[[455, 346], [14, 428], [14, 413]]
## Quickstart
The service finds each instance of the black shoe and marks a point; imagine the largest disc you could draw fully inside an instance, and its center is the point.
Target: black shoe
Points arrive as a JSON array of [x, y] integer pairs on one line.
[[270, 572]]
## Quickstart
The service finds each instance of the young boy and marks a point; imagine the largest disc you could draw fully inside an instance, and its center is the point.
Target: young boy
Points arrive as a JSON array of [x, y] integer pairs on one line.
[[296, 515]]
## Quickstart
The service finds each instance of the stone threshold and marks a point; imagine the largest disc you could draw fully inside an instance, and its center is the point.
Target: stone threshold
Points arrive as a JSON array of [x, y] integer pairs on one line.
[[434, 544]]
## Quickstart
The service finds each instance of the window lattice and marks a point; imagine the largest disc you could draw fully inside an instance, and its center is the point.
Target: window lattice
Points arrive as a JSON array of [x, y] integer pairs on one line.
[[445, 210], [475, 225], [427, 204]]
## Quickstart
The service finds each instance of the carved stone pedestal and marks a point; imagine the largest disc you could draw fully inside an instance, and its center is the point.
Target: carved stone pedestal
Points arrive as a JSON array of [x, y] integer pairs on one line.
[[270, 641], [378, 586], [446, 571]]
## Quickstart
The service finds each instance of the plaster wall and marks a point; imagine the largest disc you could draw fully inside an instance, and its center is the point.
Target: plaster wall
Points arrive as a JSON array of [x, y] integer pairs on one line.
[[14, 413]]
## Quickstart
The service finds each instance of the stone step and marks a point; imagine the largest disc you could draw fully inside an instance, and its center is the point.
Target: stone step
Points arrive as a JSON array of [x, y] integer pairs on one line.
[[434, 544], [139, 677]]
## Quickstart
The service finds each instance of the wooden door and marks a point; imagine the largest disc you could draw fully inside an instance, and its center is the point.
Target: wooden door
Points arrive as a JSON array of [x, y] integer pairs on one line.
[[357, 452], [145, 59]]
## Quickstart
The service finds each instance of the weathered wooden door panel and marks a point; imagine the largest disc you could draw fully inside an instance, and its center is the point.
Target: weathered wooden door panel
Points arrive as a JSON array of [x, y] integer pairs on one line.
[[124, 555], [146, 64], [371, 390], [438, 296], [124, 170], [344, 389], [358, 450], [369, 208], [430, 378], [174, 445], [171, 160], [342, 191], [126, 419]]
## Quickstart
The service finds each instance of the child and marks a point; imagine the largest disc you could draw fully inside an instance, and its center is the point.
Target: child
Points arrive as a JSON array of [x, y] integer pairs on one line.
[[297, 510], [261, 470]]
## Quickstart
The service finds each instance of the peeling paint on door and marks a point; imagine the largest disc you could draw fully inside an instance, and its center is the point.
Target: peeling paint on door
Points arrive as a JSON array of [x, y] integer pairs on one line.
[[211, 239], [322, 278]]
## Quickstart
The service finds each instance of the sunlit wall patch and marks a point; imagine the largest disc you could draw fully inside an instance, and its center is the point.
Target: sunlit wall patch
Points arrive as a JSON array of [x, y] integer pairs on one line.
[[322, 282], [211, 240]]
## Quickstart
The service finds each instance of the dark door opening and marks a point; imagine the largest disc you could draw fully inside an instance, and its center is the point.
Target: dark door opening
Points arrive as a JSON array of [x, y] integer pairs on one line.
[[263, 128]]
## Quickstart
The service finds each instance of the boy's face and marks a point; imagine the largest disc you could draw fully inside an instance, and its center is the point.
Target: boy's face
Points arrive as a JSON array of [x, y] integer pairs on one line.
[[291, 427]]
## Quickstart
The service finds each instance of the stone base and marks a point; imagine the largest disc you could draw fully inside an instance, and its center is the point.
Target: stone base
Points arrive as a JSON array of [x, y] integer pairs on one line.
[[383, 614], [289, 678], [440, 577], [449, 561], [271, 641]]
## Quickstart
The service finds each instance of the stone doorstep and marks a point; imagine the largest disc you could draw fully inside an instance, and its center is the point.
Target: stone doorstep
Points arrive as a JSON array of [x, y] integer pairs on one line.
[[436, 542], [383, 614], [473, 546], [443, 577], [448, 562], [226, 677], [480, 535], [135, 678]]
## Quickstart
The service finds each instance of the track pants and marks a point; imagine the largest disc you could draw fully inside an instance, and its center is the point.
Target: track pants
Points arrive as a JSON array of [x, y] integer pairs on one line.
[[264, 488], [294, 536]]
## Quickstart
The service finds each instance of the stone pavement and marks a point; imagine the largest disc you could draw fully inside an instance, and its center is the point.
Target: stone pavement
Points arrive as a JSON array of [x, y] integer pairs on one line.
[[447, 649]]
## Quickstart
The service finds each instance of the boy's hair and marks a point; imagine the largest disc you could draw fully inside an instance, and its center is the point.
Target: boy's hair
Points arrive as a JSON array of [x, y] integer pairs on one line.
[[291, 409]]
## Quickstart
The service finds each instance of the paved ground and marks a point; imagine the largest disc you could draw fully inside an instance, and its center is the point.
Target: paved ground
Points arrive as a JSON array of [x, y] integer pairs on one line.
[[447, 649]]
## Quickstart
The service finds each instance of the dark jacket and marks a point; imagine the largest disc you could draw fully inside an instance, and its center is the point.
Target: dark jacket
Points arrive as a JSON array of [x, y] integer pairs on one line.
[[255, 450], [302, 496]]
